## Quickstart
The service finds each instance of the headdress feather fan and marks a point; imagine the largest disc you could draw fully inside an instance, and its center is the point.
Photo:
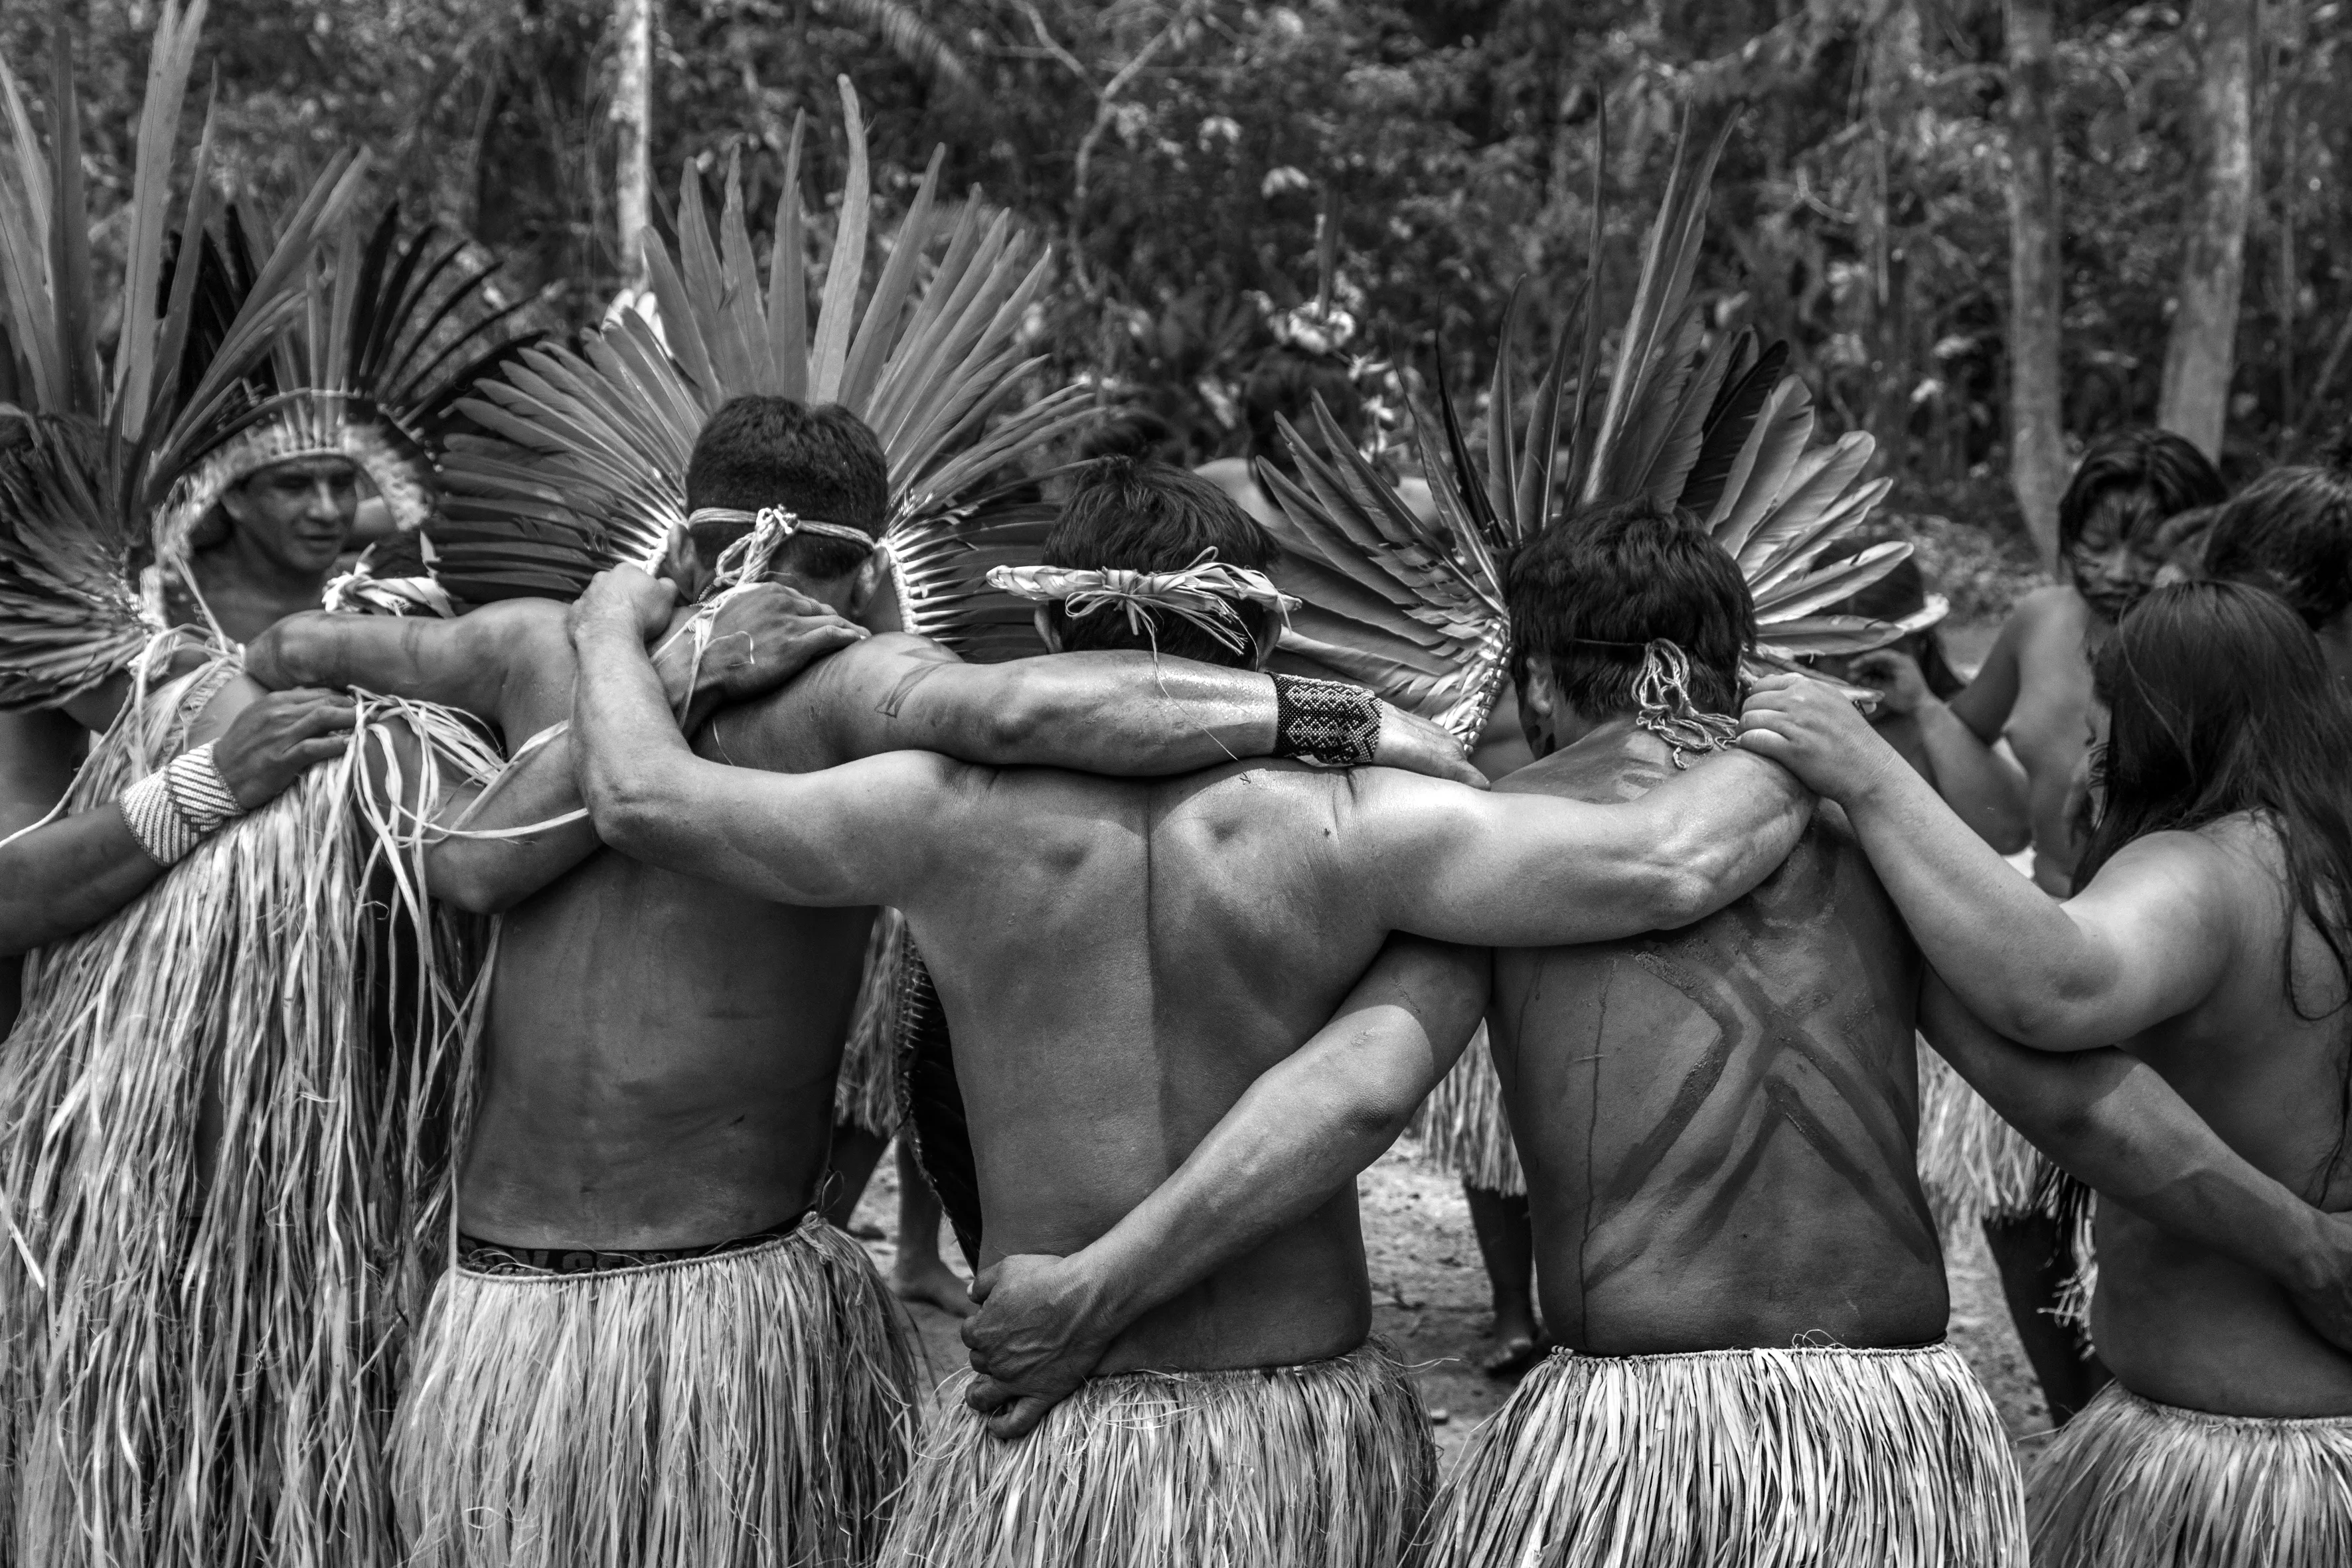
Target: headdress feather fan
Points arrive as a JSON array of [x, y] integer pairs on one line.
[[585, 460], [97, 445], [1415, 609]]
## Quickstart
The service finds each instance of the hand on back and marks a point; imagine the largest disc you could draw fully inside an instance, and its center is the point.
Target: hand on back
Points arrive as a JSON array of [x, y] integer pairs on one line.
[[1418, 746], [1030, 1341], [763, 638], [1805, 726], [277, 737]]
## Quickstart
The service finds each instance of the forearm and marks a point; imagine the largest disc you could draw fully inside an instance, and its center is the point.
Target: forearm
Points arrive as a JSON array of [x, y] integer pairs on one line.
[[1985, 788], [1118, 713], [1299, 1135], [2113, 1122], [628, 757], [2012, 955], [511, 838], [67, 876]]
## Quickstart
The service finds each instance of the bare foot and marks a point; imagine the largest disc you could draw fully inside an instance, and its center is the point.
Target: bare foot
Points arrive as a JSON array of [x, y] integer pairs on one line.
[[937, 1285], [1512, 1354]]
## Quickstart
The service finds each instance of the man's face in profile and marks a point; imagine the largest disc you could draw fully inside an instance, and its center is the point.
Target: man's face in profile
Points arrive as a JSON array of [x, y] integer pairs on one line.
[[299, 513]]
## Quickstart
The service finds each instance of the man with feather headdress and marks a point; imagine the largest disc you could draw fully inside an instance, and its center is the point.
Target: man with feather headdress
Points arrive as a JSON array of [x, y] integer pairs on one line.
[[650, 1347], [1714, 1119], [1089, 934], [221, 1106]]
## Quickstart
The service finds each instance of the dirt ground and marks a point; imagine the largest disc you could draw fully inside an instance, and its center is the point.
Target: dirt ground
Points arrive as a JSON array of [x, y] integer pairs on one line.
[[1429, 1297]]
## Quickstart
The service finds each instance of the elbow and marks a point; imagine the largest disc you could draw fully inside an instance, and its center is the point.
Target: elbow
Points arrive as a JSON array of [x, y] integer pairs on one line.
[[1013, 730], [463, 883], [290, 653], [626, 803], [1677, 892], [1374, 1123]]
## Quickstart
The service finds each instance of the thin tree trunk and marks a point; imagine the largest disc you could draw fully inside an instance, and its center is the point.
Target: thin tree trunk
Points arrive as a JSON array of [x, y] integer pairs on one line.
[[633, 35], [2037, 451], [1893, 59], [2201, 351]]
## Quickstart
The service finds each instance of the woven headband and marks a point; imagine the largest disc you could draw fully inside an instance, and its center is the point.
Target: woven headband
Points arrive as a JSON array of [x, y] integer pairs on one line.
[[1206, 594]]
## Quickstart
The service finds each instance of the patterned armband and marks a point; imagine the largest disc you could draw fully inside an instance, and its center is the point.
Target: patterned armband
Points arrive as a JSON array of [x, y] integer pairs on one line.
[[173, 811], [1325, 723]]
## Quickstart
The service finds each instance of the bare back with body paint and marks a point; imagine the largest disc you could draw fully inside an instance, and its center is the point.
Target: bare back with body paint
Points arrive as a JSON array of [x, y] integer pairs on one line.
[[1717, 1122]]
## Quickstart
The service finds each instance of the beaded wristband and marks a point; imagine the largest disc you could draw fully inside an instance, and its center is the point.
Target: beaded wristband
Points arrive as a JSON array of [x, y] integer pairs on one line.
[[1325, 723], [173, 811]]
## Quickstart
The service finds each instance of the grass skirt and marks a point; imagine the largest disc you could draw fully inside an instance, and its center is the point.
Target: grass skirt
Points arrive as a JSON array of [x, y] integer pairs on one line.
[[1462, 1126], [865, 1092], [1322, 1465], [1767, 1458], [2130, 1483], [1973, 1165], [204, 1340], [752, 1408]]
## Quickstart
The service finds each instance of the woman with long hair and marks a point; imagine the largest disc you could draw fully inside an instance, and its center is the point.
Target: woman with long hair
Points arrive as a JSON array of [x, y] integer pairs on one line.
[[2210, 935]]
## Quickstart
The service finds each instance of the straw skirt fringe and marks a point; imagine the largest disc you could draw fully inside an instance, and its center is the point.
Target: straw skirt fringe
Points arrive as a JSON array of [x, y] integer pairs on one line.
[[866, 1091], [1462, 1126], [1973, 1165], [1322, 1465], [2130, 1483], [1767, 1458], [743, 1410]]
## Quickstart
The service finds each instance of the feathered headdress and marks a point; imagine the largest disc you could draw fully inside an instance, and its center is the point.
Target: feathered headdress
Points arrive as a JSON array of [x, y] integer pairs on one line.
[[96, 446], [589, 466], [394, 333], [1415, 610]]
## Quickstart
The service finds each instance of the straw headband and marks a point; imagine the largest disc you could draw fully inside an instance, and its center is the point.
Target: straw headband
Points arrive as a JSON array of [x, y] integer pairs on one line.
[[1206, 594]]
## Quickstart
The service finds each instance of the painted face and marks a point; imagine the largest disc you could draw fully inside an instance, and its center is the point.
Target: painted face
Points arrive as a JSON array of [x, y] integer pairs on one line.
[[2113, 561], [298, 513]]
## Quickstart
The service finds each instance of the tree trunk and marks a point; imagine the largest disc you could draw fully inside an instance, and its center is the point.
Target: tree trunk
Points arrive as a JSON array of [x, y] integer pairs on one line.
[[2037, 452], [1893, 61], [633, 36], [2202, 349]]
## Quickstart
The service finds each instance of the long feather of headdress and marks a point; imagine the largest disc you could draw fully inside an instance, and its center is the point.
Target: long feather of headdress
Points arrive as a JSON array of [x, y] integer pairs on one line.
[[583, 462], [101, 441], [1412, 604]]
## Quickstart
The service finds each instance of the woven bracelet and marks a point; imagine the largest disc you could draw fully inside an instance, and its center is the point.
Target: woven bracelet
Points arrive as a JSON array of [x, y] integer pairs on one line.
[[1325, 723], [173, 811]]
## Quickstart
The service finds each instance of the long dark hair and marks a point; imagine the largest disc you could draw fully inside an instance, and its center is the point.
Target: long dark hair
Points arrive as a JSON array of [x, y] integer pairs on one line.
[[2219, 702]]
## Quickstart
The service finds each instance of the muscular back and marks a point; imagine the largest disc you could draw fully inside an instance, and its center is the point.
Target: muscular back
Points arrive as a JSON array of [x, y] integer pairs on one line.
[[1118, 965], [661, 1048], [1717, 1122]]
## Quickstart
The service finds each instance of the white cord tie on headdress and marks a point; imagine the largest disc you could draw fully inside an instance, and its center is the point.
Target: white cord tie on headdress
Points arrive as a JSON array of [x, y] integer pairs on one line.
[[1663, 705], [754, 556], [1204, 594]]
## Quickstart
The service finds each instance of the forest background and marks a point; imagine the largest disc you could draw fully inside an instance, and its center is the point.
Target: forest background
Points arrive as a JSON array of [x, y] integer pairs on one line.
[[1990, 229]]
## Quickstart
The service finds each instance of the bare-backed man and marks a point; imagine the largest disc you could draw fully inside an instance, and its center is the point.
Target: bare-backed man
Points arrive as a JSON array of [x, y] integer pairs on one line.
[[1716, 1125], [1117, 960], [649, 1349]]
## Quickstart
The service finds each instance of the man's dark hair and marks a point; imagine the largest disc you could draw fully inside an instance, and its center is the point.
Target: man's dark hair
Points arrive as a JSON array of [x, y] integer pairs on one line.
[[1587, 595], [2291, 532], [2135, 478], [819, 462], [1287, 385], [1902, 592], [1151, 517]]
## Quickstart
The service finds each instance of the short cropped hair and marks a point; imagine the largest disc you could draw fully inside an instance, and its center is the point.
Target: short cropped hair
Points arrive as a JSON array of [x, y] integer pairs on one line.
[[1140, 516], [818, 462], [2291, 532], [1588, 594], [2137, 478]]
